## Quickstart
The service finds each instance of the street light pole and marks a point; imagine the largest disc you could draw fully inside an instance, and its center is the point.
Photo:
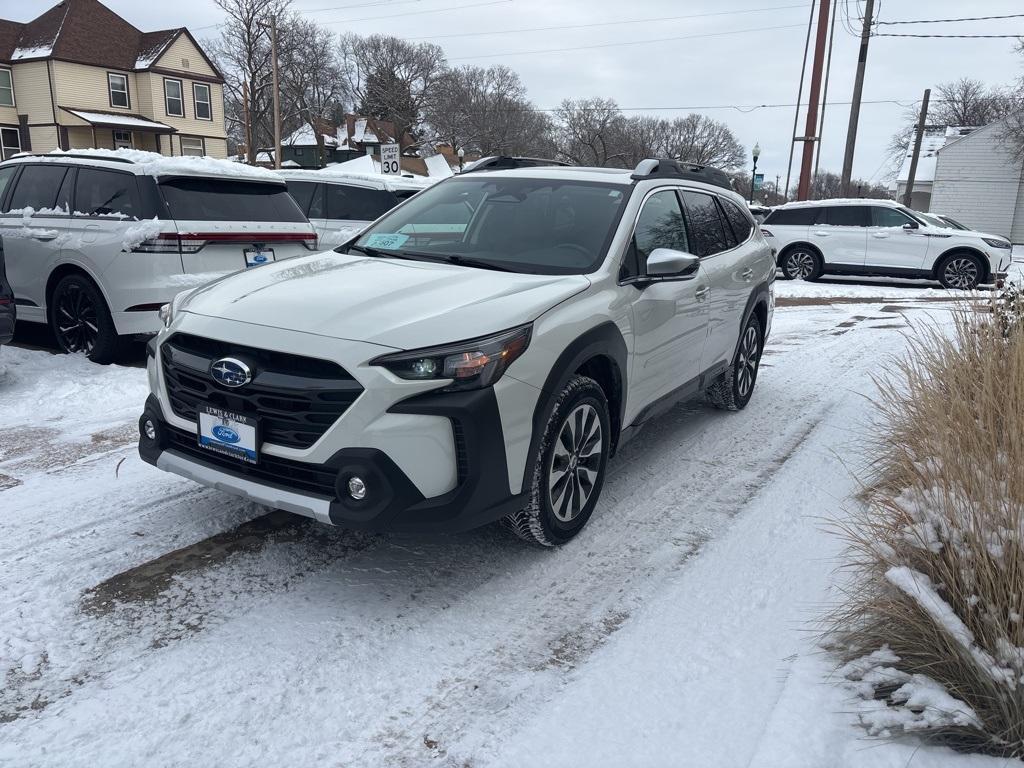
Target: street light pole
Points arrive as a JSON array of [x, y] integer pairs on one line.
[[756, 152]]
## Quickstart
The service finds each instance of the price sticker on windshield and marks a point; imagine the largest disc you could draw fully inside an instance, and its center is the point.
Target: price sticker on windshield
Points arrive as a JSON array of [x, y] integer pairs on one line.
[[386, 242]]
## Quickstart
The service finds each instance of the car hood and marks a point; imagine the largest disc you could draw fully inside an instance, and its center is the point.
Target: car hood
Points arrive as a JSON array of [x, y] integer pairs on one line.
[[391, 302], [943, 232]]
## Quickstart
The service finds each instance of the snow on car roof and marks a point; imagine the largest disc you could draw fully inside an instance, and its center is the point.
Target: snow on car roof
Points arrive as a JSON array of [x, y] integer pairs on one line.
[[841, 201], [389, 181], [154, 164]]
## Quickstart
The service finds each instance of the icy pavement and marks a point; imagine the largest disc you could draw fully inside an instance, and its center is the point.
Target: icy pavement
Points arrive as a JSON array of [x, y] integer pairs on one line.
[[147, 621]]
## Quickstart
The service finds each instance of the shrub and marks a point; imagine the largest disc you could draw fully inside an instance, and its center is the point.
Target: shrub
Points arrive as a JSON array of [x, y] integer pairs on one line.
[[933, 631]]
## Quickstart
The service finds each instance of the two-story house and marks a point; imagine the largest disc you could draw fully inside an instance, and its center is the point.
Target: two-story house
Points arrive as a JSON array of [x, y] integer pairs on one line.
[[81, 76]]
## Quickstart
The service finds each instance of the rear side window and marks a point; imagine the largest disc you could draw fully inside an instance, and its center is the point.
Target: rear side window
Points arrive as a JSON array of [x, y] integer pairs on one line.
[[100, 193], [797, 217], [740, 222], [303, 192], [37, 187], [847, 216], [707, 230], [199, 199], [357, 203], [6, 174]]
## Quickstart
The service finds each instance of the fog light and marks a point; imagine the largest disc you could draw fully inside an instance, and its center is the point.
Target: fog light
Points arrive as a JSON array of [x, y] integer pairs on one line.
[[356, 488], [149, 428]]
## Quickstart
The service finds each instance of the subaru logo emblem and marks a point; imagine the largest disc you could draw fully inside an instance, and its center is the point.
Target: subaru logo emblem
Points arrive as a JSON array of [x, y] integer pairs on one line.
[[225, 434], [231, 372]]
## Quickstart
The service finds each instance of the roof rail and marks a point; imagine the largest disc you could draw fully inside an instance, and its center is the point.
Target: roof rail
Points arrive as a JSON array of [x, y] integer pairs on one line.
[[674, 169], [74, 156]]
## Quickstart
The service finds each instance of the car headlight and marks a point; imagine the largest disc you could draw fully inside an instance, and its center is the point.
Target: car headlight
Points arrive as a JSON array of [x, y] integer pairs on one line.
[[168, 311], [996, 243], [471, 364]]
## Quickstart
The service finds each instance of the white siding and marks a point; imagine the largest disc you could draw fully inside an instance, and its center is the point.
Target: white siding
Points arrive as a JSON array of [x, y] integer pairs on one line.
[[978, 182]]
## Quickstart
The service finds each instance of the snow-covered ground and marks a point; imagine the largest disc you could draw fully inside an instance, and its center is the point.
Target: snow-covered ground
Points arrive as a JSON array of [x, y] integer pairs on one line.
[[147, 621]]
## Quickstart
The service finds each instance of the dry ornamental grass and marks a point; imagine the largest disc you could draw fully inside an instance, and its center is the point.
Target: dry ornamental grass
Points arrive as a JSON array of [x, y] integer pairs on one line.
[[933, 631]]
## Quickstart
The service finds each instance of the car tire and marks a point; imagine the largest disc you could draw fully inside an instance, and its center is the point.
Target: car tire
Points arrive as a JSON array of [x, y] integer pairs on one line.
[[80, 320], [734, 388], [569, 467], [961, 271], [801, 263]]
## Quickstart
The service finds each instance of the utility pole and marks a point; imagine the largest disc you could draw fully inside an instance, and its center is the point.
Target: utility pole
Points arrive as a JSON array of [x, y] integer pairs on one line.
[[809, 138], [917, 148], [858, 90], [799, 97], [250, 152], [277, 94]]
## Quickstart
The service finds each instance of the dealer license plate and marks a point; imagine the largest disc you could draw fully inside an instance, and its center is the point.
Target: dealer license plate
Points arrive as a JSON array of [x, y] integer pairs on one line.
[[227, 433], [255, 257]]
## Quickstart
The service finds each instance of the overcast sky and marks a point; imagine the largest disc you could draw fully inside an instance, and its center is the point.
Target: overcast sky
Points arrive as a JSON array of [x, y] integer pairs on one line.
[[735, 55]]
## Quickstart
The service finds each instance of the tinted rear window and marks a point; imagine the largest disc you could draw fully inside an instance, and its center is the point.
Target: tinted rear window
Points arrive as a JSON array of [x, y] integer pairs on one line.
[[706, 225], [357, 203], [106, 192], [848, 216], [303, 192], [37, 187], [199, 199], [798, 217], [738, 220]]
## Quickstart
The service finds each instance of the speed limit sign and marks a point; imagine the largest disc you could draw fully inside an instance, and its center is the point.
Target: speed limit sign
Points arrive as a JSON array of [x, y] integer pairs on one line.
[[389, 159]]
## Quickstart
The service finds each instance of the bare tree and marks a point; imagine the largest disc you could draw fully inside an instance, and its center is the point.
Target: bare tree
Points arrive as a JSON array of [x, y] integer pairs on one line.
[[700, 139], [592, 132], [391, 79], [311, 76], [242, 53], [827, 185]]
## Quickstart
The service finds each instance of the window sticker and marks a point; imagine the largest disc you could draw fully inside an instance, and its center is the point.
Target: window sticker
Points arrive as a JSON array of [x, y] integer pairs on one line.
[[386, 242]]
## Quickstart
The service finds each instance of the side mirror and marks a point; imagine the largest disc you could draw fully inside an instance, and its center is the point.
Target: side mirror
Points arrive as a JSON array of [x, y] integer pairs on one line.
[[665, 264], [911, 225]]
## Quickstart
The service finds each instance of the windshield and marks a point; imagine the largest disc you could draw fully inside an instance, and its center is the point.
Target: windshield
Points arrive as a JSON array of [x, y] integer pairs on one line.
[[954, 223], [935, 221], [537, 226]]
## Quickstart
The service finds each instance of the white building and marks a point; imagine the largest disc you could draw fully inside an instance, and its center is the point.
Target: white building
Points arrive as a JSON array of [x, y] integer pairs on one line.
[[979, 181], [934, 139]]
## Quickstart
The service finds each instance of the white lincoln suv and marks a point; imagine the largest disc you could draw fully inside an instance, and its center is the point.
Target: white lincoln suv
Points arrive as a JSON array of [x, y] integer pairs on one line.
[[881, 237], [479, 353]]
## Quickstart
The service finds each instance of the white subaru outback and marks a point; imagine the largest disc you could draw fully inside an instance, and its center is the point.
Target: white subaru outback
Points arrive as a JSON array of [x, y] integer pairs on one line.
[[444, 377]]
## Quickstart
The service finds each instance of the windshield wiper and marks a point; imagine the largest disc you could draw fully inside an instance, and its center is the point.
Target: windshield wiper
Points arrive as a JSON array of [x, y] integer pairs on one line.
[[377, 254], [453, 258]]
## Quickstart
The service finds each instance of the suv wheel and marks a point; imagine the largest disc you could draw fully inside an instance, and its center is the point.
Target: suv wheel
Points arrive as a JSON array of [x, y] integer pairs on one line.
[[801, 264], [962, 271], [732, 391], [81, 321], [569, 469]]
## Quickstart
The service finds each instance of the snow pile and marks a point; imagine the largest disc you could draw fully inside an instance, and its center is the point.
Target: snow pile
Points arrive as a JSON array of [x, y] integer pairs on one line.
[[155, 164], [141, 231]]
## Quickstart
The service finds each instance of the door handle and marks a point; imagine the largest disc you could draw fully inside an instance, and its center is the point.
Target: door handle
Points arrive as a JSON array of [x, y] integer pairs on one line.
[[44, 238], [701, 293], [821, 233], [880, 235], [747, 273]]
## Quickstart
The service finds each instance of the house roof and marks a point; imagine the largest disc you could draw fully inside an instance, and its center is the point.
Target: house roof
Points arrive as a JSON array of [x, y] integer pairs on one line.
[[117, 120], [933, 140], [87, 32]]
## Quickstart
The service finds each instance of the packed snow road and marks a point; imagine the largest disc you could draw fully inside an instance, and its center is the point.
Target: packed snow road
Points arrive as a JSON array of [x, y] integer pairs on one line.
[[147, 621]]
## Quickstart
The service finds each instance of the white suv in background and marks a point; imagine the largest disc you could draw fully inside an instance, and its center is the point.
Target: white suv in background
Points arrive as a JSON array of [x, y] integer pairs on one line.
[[96, 241], [340, 205], [477, 354], [881, 237]]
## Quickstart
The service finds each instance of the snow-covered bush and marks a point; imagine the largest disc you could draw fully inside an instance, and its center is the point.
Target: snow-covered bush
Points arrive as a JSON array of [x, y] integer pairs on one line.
[[933, 630]]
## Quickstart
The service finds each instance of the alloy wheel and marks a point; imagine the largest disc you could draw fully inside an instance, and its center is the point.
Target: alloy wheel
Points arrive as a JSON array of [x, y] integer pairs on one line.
[[77, 325], [799, 265], [575, 463], [746, 362], [961, 272]]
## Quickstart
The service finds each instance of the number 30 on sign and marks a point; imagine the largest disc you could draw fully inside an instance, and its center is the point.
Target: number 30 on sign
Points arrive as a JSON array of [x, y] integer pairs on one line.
[[389, 159]]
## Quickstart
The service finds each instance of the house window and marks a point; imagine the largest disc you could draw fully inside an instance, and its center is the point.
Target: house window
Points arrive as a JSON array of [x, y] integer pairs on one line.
[[297, 151], [201, 101], [193, 146], [10, 143], [173, 103], [6, 88], [118, 86], [123, 139]]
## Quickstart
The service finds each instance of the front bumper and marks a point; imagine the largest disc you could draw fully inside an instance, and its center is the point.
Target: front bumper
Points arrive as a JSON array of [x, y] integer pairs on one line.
[[393, 502]]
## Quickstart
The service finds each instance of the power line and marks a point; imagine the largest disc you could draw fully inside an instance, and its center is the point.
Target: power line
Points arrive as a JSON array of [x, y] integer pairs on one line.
[[607, 23], [949, 21], [630, 42], [960, 37]]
